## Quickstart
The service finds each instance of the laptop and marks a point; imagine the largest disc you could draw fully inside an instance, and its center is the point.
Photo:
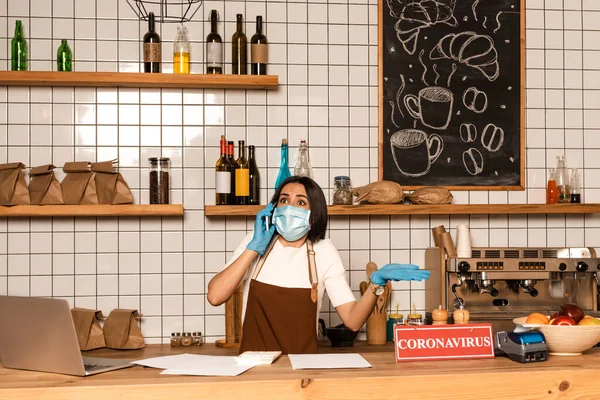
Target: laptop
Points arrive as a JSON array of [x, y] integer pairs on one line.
[[38, 334]]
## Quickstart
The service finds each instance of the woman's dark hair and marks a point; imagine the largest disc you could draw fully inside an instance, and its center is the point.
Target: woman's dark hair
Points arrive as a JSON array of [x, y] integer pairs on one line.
[[318, 205]]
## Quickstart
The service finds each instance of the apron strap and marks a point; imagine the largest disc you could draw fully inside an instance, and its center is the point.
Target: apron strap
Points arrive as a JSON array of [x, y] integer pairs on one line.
[[312, 271], [263, 258]]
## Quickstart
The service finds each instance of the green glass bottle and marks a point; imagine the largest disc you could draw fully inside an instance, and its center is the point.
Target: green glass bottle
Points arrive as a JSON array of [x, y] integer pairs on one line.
[[18, 47], [64, 57]]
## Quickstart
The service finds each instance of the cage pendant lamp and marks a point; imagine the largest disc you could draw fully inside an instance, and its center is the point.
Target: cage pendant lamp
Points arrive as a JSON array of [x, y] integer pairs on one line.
[[166, 11]]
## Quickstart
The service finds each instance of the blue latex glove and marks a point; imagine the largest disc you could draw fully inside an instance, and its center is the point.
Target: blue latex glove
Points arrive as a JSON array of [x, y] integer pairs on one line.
[[262, 236], [398, 272]]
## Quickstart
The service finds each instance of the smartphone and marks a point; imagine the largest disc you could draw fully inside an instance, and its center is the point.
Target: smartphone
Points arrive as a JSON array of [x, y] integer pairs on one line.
[[267, 222]]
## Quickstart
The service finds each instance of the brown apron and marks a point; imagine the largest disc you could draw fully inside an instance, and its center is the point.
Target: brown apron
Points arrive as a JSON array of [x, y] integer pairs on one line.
[[280, 318]]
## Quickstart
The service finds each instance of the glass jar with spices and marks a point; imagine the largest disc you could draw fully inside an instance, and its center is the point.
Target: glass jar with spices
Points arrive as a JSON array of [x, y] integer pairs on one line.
[[159, 179], [175, 339], [186, 339], [414, 318], [197, 339], [342, 191]]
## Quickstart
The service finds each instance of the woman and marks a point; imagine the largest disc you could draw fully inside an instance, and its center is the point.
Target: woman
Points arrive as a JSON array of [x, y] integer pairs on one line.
[[285, 274]]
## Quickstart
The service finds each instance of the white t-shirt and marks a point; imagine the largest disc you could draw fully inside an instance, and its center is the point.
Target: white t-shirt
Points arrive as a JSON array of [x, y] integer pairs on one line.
[[288, 267]]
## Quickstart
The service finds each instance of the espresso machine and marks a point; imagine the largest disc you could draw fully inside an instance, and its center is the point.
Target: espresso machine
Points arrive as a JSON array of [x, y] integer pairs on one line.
[[497, 285]]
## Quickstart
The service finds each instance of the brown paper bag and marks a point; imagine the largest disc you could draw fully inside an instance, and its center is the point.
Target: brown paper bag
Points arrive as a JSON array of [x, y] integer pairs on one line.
[[44, 187], [79, 186], [121, 330], [87, 326], [13, 189], [430, 195], [110, 186], [382, 192]]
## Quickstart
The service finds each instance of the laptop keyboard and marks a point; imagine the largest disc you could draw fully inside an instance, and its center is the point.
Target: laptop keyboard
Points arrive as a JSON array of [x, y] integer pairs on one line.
[[95, 367]]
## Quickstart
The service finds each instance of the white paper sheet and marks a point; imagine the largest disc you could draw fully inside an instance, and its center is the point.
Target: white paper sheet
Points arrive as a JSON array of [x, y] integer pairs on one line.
[[194, 364], [210, 371], [328, 361]]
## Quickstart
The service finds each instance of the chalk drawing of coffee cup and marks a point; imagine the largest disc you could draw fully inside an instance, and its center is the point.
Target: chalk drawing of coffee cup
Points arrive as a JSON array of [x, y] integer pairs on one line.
[[433, 106], [411, 149]]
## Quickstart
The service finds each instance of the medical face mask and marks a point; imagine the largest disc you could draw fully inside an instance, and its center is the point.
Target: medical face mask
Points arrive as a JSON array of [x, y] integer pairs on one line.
[[291, 222]]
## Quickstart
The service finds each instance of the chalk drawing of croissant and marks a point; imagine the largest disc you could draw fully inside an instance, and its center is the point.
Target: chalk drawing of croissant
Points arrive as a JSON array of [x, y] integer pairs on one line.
[[417, 15], [469, 48]]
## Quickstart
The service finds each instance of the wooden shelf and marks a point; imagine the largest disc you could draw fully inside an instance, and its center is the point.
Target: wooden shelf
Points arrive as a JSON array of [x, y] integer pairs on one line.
[[121, 210], [137, 80], [413, 209]]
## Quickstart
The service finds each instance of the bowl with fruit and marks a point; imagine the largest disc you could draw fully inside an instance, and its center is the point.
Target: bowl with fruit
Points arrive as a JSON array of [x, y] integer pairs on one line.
[[568, 332]]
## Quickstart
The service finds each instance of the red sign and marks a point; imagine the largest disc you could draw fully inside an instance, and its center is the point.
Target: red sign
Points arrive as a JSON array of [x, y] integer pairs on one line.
[[443, 342]]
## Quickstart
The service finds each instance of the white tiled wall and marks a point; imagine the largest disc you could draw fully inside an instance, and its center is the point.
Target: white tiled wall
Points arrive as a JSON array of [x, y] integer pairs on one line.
[[325, 53]]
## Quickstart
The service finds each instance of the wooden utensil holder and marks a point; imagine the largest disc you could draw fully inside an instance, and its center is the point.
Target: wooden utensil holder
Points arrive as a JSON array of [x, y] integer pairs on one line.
[[233, 320], [376, 329]]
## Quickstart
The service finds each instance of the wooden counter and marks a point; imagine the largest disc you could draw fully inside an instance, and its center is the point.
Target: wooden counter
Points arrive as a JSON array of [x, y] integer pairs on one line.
[[500, 378]]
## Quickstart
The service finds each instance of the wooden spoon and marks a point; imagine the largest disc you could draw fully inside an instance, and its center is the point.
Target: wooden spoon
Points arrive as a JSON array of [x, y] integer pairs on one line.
[[363, 287], [371, 267]]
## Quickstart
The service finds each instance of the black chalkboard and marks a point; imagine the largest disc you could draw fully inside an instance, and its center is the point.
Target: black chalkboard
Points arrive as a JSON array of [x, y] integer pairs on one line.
[[452, 93]]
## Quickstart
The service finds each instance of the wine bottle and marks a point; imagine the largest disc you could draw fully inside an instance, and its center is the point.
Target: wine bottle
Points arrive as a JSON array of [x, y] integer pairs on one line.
[[259, 52], [214, 47], [152, 49], [64, 57], [284, 170], [303, 167], [223, 176], [233, 166], [242, 176], [18, 47], [254, 178], [181, 51], [238, 47]]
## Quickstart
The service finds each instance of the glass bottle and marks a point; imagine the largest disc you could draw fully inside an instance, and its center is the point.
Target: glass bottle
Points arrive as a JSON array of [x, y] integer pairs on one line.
[[303, 167], [259, 52], [214, 47], [562, 180], [159, 180], [223, 176], [254, 178], [181, 51], [233, 166], [18, 47], [284, 170], [575, 186], [152, 50], [239, 44], [242, 176], [64, 57], [551, 189]]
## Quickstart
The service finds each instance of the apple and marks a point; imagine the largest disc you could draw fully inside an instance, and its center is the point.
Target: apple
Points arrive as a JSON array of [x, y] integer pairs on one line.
[[572, 311], [563, 320], [587, 320], [555, 315]]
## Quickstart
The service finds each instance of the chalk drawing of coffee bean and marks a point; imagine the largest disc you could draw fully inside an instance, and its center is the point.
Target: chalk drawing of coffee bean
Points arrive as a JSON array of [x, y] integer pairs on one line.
[[475, 100], [468, 132], [473, 161], [492, 137]]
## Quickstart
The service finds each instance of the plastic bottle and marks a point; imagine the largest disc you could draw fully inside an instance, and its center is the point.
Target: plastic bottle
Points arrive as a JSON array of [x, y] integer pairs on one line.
[[303, 167], [284, 169], [181, 51]]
